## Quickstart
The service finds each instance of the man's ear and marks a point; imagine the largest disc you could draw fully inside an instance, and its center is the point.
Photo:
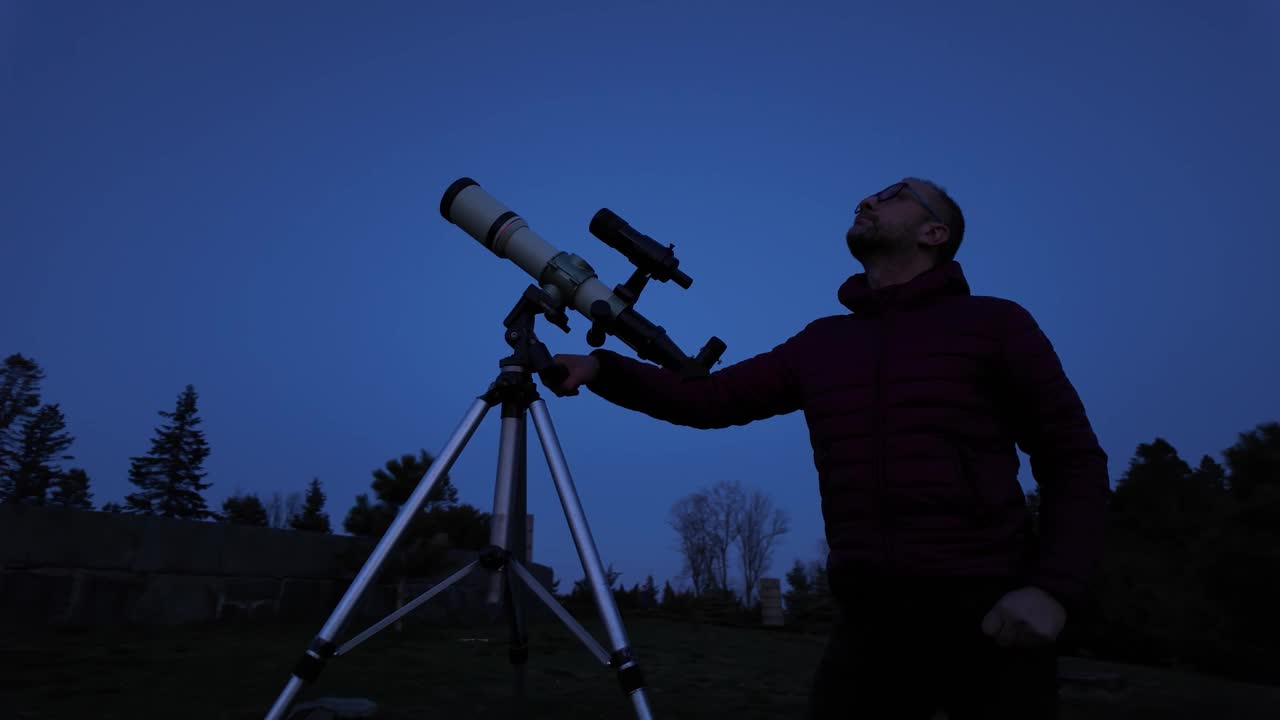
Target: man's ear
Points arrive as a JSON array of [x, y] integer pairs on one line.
[[935, 235]]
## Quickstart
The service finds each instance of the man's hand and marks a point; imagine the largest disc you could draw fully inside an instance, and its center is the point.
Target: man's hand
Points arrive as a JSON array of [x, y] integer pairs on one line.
[[1025, 618], [582, 370]]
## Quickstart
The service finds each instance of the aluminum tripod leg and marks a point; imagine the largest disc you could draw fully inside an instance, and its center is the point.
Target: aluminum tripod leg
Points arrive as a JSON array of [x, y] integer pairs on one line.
[[322, 647], [622, 659], [506, 525], [507, 528], [408, 607]]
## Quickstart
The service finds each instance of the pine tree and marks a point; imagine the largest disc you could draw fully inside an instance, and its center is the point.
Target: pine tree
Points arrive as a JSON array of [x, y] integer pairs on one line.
[[244, 510], [1254, 462], [799, 598], [71, 489], [1211, 476], [648, 594], [169, 476], [19, 397], [393, 484], [35, 466], [313, 518], [367, 519], [1160, 498]]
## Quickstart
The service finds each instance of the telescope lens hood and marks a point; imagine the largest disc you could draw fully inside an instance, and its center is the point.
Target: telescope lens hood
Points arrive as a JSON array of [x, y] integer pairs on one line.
[[446, 202]]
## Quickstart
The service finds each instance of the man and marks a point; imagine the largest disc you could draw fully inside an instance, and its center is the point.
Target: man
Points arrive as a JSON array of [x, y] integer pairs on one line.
[[916, 401]]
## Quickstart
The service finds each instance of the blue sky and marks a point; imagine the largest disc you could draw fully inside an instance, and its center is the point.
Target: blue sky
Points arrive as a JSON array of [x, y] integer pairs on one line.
[[244, 196]]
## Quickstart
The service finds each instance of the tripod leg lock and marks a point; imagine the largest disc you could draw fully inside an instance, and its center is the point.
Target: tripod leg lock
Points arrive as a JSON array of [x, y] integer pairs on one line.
[[629, 675], [313, 660], [493, 558]]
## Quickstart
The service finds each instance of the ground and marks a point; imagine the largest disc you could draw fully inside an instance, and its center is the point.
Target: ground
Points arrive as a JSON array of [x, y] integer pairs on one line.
[[692, 671]]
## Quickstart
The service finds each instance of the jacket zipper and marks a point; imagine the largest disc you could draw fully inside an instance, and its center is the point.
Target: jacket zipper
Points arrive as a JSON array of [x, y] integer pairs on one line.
[[880, 459], [978, 508]]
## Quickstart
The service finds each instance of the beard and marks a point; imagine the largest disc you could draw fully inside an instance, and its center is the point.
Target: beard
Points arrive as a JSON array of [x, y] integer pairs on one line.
[[869, 240]]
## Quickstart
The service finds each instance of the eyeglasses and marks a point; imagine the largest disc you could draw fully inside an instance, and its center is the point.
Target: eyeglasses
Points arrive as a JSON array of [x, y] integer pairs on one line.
[[892, 191]]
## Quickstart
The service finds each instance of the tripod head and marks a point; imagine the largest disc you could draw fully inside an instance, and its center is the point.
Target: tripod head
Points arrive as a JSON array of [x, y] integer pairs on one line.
[[568, 280], [528, 351]]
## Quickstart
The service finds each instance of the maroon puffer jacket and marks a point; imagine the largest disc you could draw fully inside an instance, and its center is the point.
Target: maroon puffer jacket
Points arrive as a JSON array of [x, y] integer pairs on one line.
[[914, 404]]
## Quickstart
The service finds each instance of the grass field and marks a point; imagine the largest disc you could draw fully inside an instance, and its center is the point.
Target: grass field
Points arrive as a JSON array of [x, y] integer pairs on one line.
[[693, 671]]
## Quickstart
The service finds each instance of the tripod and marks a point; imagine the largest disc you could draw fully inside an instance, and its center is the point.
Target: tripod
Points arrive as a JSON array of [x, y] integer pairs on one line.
[[515, 390]]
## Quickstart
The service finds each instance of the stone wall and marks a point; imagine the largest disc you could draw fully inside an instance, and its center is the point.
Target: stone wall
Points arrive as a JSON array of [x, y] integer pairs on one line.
[[87, 567]]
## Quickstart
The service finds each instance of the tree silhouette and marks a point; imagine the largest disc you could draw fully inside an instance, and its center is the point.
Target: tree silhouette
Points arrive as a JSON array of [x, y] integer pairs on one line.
[[170, 476], [760, 525], [727, 500], [1033, 510], [581, 591], [392, 485], [1254, 461], [19, 397], [244, 510], [313, 518], [282, 508], [394, 482], [71, 489], [1211, 476], [35, 467], [648, 594], [417, 551], [1161, 499], [691, 518]]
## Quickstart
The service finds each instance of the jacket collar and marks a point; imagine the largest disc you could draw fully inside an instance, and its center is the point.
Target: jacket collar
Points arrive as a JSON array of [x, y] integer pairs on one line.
[[943, 280]]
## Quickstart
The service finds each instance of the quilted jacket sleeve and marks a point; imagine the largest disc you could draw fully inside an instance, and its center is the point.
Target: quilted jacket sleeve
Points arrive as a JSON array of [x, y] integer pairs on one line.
[[753, 389]]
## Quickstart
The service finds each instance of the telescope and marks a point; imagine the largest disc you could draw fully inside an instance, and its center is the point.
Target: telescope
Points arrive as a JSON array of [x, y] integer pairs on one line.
[[570, 281], [565, 280]]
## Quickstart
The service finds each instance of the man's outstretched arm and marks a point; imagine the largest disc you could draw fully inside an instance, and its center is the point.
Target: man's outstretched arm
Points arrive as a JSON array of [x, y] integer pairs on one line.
[[753, 389]]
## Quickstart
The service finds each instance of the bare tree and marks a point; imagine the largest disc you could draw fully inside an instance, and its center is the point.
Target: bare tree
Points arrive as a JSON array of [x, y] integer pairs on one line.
[[726, 500], [282, 507], [691, 519], [760, 525], [707, 523]]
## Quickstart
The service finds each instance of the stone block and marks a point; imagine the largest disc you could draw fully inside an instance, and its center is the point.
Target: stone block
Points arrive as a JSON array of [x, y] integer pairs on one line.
[[302, 599], [53, 537], [105, 598], [177, 599], [180, 547], [271, 552], [35, 597], [248, 599]]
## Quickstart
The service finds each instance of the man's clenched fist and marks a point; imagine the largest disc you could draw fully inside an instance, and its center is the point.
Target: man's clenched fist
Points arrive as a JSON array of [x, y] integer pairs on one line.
[[582, 370], [1025, 618]]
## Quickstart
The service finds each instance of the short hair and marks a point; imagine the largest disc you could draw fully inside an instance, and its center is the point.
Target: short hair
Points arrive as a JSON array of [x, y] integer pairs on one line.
[[951, 216]]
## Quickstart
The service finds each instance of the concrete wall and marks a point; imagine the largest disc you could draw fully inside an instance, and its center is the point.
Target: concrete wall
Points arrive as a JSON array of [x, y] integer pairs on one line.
[[87, 567]]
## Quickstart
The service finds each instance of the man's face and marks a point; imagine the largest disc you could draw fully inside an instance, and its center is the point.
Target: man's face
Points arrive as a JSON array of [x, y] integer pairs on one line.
[[887, 223]]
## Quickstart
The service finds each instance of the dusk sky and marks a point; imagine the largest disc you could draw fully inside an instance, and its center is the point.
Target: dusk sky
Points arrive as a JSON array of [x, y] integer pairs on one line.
[[245, 197]]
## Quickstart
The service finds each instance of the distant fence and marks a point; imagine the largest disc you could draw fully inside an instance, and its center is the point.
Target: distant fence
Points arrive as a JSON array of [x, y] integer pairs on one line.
[[61, 566]]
